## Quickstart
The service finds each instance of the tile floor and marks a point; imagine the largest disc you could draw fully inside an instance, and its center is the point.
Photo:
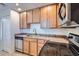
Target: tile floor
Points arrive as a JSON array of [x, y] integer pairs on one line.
[[3, 53]]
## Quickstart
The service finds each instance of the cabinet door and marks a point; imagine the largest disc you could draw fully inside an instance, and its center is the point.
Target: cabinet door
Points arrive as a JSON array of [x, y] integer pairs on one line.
[[33, 47], [41, 43], [26, 46], [58, 19], [23, 22], [49, 16], [29, 16], [52, 19], [36, 15], [44, 17]]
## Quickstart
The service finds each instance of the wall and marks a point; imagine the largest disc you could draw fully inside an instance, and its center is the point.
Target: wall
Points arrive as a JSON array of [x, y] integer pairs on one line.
[[4, 12], [14, 18], [0, 35], [60, 31], [15, 21]]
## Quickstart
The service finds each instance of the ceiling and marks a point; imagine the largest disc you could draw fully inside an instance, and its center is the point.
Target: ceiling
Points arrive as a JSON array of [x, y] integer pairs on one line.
[[23, 6]]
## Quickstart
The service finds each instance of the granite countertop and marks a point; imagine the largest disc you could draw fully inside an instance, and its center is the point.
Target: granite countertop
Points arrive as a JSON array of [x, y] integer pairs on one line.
[[54, 38], [46, 35]]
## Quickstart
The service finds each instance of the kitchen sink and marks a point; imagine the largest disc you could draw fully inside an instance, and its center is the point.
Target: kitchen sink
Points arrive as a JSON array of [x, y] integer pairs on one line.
[[27, 35], [34, 35], [21, 35]]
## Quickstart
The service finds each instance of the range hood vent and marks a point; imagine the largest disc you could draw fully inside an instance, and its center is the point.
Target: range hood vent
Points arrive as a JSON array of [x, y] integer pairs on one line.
[[70, 24], [73, 23]]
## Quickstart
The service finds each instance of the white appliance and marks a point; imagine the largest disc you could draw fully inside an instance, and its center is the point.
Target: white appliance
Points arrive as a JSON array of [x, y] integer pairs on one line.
[[18, 45], [5, 33]]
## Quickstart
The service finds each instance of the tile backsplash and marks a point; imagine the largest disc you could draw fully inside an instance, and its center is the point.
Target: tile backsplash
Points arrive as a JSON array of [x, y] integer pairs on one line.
[[39, 30]]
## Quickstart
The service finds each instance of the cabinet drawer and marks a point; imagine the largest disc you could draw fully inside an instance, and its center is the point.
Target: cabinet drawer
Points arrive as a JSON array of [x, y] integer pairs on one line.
[[29, 39], [41, 41], [26, 39], [33, 40]]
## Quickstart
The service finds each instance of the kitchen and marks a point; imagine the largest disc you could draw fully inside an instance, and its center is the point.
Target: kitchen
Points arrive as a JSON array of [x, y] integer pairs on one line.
[[39, 29]]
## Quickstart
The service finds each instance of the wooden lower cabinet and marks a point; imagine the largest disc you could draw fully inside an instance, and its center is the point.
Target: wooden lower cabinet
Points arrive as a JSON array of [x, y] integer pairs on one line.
[[41, 43], [26, 46], [30, 46], [36, 47], [33, 48]]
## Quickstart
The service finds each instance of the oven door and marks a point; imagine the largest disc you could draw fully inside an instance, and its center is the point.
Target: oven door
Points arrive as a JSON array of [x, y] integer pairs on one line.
[[74, 49]]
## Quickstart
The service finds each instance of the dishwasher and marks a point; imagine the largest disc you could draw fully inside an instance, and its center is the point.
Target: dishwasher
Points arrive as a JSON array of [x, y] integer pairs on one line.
[[19, 44]]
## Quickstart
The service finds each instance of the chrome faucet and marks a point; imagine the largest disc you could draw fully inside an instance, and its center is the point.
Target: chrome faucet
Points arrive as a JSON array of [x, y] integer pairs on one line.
[[34, 31]]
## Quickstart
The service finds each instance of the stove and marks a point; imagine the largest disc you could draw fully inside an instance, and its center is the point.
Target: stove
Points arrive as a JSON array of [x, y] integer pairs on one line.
[[74, 43]]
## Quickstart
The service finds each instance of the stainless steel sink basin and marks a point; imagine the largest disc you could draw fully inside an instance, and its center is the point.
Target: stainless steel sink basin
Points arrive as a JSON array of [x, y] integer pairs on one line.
[[35, 36], [21, 35]]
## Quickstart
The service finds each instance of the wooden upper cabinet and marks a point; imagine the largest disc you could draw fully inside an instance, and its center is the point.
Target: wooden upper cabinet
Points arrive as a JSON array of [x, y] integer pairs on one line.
[[49, 16], [52, 16], [23, 22], [44, 17], [58, 19], [36, 15], [29, 16]]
